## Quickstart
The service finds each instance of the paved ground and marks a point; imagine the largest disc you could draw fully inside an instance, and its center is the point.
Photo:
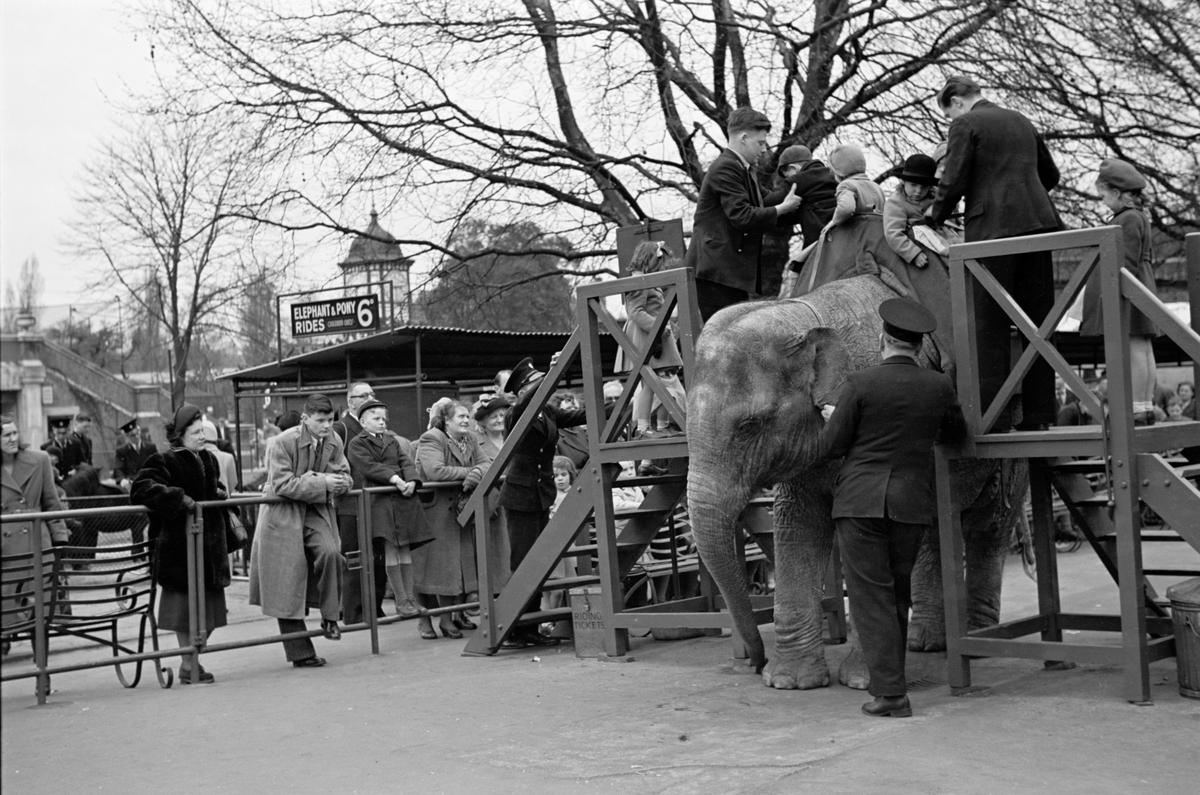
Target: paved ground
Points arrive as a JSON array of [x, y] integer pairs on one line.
[[420, 718]]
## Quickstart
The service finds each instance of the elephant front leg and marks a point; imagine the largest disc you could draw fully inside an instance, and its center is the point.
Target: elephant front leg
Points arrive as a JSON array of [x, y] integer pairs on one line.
[[803, 541]]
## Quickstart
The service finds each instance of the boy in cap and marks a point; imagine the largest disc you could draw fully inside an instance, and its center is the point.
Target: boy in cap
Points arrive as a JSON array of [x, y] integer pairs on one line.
[[885, 425], [1120, 187], [815, 186]]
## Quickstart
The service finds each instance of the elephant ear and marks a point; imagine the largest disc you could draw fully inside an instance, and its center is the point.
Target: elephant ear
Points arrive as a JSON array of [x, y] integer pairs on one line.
[[828, 362]]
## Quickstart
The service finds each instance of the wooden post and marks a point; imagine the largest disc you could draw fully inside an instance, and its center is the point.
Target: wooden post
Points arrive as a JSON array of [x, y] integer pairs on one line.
[[1046, 553], [1124, 486]]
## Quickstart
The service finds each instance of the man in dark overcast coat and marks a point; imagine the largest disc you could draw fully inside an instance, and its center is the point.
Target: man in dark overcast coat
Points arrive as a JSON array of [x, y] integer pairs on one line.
[[998, 163]]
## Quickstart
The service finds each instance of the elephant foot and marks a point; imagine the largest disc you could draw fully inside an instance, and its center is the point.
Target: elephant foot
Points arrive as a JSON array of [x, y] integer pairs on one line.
[[801, 674], [926, 638], [853, 673]]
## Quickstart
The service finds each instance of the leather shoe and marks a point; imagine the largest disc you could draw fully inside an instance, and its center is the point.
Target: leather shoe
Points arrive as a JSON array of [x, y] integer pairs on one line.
[[425, 628], [514, 642], [309, 662], [888, 707], [330, 628], [186, 677], [449, 630], [462, 622], [407, 608], [538, 639]]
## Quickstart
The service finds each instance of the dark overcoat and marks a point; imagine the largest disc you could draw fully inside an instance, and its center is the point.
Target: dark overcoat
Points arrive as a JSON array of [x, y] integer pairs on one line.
[[1139, 260], [726, 245], [817, 187], [161, 486], [446, 566], [887, 420], [347, 428], [130, 458], [529, 480], [374, 459], [998, 163]]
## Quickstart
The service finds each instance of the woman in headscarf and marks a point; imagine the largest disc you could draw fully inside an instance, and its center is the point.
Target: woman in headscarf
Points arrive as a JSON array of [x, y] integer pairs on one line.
[[170, 484]]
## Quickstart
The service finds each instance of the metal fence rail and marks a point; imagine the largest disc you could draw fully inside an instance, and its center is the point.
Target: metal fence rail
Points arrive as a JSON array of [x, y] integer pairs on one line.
[[123, 520]]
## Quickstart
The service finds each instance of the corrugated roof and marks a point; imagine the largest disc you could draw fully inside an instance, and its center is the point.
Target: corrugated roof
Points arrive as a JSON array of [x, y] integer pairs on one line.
[[447, 354]]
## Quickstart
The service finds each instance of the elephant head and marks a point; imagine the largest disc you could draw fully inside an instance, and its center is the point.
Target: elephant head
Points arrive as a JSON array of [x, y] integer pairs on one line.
[[762, 372]]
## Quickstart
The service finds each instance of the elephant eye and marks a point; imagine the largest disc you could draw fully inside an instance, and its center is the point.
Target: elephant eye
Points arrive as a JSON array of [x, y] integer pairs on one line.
[[749, 425]]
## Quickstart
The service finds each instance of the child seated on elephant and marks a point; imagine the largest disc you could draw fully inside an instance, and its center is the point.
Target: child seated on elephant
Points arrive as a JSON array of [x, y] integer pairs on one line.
[[906, 206], [856, 192]]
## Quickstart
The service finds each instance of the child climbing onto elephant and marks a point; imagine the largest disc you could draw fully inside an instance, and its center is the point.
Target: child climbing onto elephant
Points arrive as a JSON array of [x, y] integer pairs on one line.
[[856, 192], [643, 307]]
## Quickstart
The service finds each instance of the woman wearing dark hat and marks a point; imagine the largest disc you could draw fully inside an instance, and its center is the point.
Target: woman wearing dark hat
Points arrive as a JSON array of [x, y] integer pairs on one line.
[[1120, 187], [490, 414], [170, 484], [907, 205], [377, 460]]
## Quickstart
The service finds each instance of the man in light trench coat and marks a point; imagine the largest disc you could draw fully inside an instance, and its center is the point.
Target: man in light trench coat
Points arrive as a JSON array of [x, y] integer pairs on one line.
[[308, 468]]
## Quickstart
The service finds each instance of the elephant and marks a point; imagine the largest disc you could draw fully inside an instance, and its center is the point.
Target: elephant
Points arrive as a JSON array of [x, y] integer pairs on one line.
[[762, 370]]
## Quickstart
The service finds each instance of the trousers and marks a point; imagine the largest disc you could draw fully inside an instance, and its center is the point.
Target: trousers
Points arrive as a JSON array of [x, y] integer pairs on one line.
[[325, 563], [524, 527], [712, 297], [1029, 279], [296, 649], [877, 562], [352, 607]]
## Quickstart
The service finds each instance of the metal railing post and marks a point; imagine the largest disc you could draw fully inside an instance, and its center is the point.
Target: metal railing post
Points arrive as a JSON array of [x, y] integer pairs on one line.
[[40, 641], [366, 567]]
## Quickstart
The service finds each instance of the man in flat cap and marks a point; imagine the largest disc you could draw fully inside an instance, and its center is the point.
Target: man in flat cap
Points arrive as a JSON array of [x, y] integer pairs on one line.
[[884, 427], [528, 491], [725, 252], [998, 163]]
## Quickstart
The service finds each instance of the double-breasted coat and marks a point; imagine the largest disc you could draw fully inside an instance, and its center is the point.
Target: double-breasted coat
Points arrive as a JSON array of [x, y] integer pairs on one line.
[[296, 468], [374, 459], [163, 482], [447, 566], [29, 489], [529, 481]]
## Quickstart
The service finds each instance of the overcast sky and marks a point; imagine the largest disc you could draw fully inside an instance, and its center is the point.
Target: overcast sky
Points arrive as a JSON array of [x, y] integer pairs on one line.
[[61, 61]]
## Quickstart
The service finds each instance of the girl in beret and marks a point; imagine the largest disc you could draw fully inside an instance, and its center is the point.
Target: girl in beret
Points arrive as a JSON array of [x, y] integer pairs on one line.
[[1120, 187]]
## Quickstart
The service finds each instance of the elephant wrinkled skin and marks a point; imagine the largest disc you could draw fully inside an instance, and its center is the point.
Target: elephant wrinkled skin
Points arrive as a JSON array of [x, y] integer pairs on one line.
[[762, 370]]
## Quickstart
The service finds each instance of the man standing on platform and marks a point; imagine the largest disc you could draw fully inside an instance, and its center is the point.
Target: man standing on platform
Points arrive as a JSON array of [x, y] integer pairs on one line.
[[725, 252], [884, 427], [1000, 165], [307, 467], [347, 517]]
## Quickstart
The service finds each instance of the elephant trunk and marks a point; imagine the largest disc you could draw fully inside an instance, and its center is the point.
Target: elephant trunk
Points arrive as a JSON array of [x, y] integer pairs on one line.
[[714, 514]]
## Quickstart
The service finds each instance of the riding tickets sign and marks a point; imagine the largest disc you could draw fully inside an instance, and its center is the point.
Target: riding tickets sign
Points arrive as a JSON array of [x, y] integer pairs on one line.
[[337, 316]]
